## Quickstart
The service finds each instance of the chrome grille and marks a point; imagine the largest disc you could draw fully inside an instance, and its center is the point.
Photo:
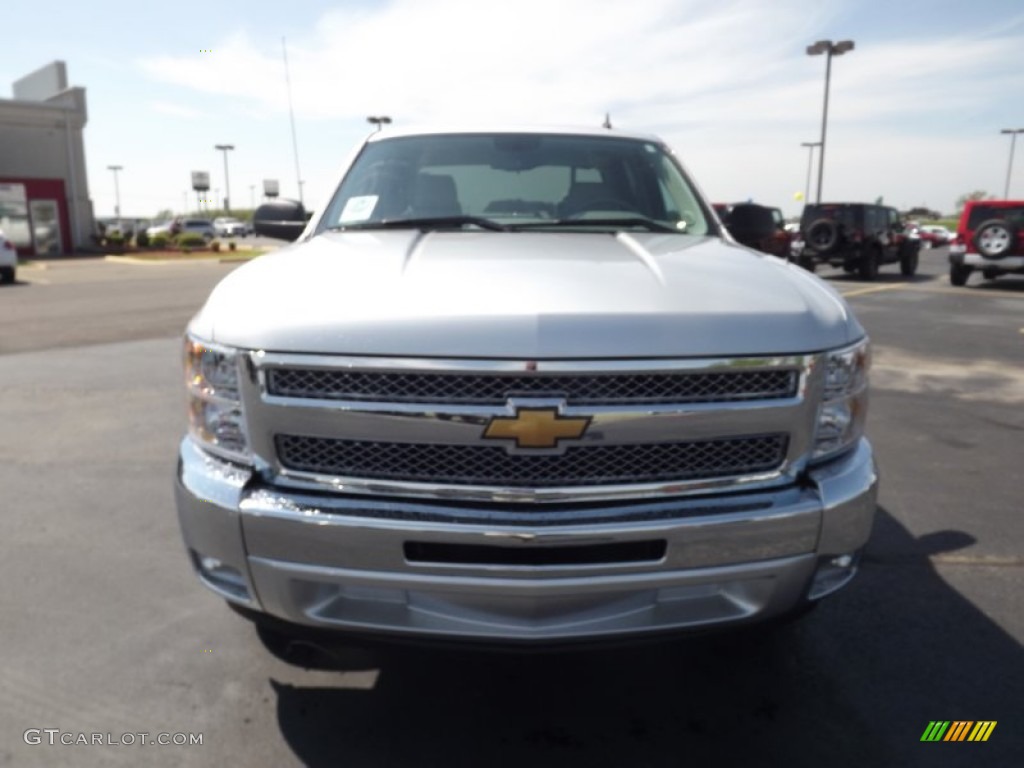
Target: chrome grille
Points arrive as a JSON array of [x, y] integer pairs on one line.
[[494, 466], [497, 388]]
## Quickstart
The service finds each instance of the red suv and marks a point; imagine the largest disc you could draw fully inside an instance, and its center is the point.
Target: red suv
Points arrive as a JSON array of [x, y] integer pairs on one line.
[[989, 237], [756, 226]]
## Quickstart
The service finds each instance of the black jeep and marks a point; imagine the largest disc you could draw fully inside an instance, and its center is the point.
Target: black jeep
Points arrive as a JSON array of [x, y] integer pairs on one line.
[[859, 237]]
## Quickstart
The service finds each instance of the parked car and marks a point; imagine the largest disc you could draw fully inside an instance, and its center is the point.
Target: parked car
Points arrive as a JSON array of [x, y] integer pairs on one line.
[[165, 228], [989, 237], [859, 237], [202, 227], [517, 387], [934, 235], [748, 223], [8, 259], [225, 226]]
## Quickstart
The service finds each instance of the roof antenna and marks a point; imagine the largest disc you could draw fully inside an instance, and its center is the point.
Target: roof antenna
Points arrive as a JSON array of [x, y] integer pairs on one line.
[[607, 121]]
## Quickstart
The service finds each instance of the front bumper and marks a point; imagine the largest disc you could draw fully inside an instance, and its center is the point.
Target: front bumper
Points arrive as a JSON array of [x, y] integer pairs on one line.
[[357, 563]]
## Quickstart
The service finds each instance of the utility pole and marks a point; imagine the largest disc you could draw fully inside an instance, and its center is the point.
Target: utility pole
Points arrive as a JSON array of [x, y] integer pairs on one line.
[[225, 148]]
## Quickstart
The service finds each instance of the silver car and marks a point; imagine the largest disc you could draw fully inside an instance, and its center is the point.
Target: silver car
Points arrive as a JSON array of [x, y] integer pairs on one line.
[[520, 387], [224, 226], [203, 227]]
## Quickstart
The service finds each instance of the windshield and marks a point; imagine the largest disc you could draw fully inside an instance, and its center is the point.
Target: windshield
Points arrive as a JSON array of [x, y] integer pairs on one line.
[[516, 181]]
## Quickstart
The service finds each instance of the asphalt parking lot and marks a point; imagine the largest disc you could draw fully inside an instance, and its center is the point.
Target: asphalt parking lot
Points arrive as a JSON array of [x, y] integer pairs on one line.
[[103, 627]]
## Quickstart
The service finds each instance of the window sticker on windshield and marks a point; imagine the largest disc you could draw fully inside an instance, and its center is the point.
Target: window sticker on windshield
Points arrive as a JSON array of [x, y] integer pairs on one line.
[[359, 208]]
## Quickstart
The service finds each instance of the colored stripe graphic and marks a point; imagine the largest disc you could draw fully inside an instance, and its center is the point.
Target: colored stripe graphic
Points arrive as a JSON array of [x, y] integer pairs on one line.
[[982, 730], [958, 730]]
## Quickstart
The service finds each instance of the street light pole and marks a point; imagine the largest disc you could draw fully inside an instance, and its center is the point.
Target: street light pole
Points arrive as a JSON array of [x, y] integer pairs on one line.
[[379, 120], [225, 148], [1009, 169], [117, 194], [810, 161], [830, 49]]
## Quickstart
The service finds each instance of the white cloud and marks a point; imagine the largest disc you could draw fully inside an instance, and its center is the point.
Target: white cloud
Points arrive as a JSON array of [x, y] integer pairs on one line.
[[175, 110], [727, 84]]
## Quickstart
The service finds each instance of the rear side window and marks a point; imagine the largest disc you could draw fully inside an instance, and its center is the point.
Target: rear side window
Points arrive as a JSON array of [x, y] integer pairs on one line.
[[844, 215], [980, 213]]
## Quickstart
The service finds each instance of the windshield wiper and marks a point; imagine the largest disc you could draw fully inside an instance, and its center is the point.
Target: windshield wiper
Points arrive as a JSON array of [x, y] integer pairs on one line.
[[619, 222], [423, 223]]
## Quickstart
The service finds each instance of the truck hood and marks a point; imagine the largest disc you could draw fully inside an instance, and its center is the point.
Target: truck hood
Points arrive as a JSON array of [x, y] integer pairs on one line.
[[524, 295]]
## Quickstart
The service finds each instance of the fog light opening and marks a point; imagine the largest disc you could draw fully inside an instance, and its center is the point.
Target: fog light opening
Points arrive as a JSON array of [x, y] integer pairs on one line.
[[220, 576], [834, 572]]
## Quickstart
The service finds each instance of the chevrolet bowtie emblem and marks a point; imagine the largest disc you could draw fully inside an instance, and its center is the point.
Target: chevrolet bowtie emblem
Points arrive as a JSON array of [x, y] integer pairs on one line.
[[536, 428]]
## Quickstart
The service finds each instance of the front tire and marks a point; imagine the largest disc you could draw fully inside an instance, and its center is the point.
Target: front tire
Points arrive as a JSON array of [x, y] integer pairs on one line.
[[958, 274], [908, 262], [7, 274]]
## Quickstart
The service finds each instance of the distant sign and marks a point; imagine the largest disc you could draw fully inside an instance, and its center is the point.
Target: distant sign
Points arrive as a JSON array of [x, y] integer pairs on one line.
[[200, 181], [270, 188]]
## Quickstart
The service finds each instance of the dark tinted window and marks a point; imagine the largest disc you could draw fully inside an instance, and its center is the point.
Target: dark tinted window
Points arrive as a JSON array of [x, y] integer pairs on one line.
[[844, 215], [980, 213]]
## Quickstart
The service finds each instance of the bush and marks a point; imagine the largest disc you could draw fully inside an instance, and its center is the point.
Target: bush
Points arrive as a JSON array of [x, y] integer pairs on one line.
[[190, 240], [159, 241], [215, 246], [142, 239], [186, 249], [115, 239], [232, 246]]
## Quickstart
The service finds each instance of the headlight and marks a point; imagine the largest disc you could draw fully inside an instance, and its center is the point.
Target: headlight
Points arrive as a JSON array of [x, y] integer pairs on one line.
[[214, 405], [844, 405]]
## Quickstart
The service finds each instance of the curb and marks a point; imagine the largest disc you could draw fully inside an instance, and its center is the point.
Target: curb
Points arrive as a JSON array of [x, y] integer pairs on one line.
[[133, 260]]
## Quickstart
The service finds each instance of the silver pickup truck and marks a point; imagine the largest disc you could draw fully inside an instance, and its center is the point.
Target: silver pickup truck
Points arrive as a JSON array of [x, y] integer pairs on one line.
[[521, 387]]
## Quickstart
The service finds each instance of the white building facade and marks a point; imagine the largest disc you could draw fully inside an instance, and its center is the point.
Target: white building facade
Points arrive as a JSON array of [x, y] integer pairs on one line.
[[44, 193]]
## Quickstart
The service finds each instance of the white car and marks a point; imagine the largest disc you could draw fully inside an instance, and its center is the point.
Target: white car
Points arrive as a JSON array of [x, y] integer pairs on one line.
[[8, 259], [225, 226], [202, 227], [160, 228]]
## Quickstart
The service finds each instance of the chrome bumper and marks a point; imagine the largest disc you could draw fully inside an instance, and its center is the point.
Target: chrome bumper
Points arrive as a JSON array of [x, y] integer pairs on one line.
[[356, 563]]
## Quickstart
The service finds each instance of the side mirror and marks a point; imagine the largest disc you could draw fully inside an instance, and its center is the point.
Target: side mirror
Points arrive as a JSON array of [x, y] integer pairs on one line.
[[750, 223], [280, 219]]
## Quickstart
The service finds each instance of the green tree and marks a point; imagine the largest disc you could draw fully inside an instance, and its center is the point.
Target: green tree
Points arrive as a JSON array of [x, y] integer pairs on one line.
[[978, 194]]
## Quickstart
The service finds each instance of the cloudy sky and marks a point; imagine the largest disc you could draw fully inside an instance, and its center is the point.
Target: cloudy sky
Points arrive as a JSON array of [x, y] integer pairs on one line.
[[915, 111]]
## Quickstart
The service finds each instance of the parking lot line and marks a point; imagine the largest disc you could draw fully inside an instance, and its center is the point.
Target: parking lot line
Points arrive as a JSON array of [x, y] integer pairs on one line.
[[875, 289], [947, 288]]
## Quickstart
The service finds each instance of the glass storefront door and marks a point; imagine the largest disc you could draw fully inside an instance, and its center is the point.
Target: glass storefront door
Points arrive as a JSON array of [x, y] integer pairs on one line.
[[45, 217]]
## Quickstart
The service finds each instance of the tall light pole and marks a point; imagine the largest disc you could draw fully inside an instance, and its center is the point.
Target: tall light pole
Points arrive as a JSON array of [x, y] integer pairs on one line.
[[291, 116], [830, 49], [117, 194], [379, 120], [810, 161], [1009, 169], [225, 148]]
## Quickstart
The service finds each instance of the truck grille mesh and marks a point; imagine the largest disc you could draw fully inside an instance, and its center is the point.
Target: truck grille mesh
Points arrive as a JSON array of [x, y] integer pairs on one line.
[[494, 466], [496, 388]]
